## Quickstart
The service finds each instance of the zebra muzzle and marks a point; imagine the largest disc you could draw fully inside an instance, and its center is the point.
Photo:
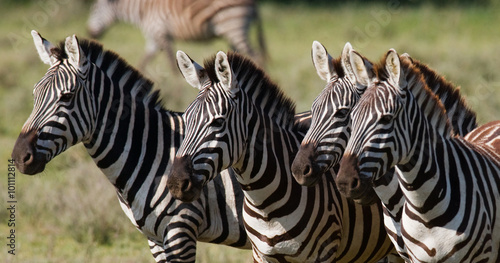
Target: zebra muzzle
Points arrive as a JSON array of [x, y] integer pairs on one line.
[[350, 182], [27, 159], [180, 182], [304, 169]]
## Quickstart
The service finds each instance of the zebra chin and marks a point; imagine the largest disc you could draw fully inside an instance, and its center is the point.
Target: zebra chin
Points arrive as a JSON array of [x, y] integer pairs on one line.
[[27, 159], [180, 183]]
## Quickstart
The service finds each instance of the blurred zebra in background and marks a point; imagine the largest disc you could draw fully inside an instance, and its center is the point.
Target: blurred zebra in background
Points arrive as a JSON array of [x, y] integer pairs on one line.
[[93, 96], [163, 21]]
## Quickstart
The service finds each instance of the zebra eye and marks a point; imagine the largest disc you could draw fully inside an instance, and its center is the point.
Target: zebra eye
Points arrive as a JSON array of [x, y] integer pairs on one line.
[[66, 97], [342, 113], [218, 122], [386, 119]]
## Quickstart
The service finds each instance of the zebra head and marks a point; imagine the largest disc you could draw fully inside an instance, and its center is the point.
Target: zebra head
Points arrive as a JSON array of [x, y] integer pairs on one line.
[[205, 148], [57, 98], [327, 137], [377, 142], [102, 16]]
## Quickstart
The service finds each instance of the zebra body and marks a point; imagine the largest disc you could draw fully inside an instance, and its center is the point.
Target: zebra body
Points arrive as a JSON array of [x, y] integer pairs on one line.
[[162, 21], [241, 119], [327, 138], [487, 134], [92, 96], [450, 186]]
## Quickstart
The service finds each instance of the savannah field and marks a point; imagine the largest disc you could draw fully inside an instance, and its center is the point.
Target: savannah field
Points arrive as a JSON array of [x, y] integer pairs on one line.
[[70, 212]]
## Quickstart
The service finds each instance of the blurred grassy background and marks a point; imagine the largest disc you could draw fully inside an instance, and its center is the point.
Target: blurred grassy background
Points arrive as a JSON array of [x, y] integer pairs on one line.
[[70, 212]]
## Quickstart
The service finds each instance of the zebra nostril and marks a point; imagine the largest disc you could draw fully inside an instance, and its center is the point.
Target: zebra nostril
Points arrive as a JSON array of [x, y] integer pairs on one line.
[[307, 170], [27, 158], [186, 185], [354, 183]]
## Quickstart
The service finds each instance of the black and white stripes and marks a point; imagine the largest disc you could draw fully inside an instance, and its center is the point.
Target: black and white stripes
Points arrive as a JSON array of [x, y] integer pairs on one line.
[[242, 120], [450, 184], [92, 96], [325, 142]]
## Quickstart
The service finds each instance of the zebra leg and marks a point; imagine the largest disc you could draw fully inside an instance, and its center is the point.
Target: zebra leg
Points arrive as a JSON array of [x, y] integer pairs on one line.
[[183, 251], [151, 50], [233, 24], [157, 251], [164, 43]]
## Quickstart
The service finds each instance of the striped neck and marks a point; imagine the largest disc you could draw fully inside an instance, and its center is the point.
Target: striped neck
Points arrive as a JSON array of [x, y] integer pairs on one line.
[[127, 117]]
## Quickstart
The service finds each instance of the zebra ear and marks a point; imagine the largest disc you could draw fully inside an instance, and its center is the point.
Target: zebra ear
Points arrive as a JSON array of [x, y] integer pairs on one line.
[[190, 70], [406, 57], [346, 62], [44, 48], [75, 53], [393, 66], [363, 69], [224, 72], [322, 61]]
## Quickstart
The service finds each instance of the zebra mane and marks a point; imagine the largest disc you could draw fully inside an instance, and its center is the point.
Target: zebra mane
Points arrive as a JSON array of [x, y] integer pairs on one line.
[[104, 59], [337, 65], [429, 102], [448, 93], [258, 86]]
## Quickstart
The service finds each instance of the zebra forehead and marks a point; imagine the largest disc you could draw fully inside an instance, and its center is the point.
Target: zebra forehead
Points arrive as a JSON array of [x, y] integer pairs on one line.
[[380, 96]]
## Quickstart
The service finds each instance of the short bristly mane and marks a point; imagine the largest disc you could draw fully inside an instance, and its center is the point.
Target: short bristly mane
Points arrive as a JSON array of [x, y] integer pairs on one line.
[[448, 93], [257, 85], [104, 59], [428, 101], [337, 65]]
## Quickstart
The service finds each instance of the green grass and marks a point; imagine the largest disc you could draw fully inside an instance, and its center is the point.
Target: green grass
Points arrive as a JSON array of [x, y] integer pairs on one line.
[[70, 211]]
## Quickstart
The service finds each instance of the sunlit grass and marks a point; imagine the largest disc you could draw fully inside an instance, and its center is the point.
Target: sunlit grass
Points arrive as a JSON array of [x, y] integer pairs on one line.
[[71, 213]]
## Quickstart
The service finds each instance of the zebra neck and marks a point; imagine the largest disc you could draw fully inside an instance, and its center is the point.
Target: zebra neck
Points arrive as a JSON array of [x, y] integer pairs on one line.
[[421, 174], [128, 134], [268, 157]]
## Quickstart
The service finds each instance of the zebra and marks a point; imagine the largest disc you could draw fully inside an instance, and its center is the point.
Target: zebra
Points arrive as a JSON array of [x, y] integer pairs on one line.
[[487, 134], [450, 184], [325, 141], [162, 21], [93, 96], [241, 119]]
